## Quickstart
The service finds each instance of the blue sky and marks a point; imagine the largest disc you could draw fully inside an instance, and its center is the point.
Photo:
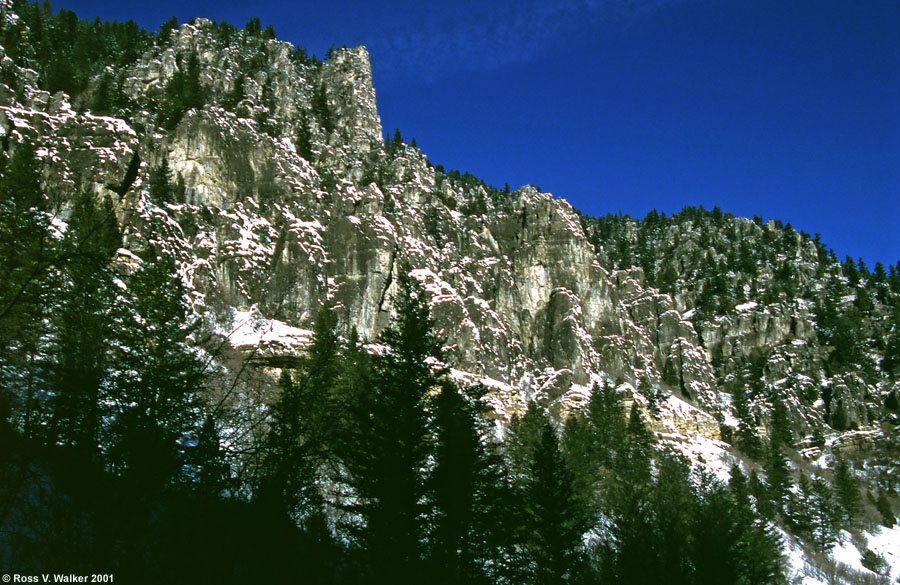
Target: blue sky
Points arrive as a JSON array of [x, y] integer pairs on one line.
[[786, 109]]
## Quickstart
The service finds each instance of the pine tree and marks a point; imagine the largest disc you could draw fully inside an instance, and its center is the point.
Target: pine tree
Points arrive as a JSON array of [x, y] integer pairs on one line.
[[799, 507], [28, 256], [672, 501], [715, 535], [522, 438], [763, 492], [846, 489], [24, 231], [757, 552], [287, 486], [183, 92], [631, 505], [158, 380], [824, 515], [455, 483], [296, 445], [213, 474], [161, 190], [84, 325], [884, 508], [392, 427], [748, 441], [582, 461], [633, 463], [555, 520], [778, 475], [608, 422], [321, 110], [105, 97], [781, 428]]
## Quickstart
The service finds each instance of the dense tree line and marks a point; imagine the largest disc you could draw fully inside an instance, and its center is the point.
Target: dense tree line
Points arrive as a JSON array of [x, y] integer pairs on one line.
[[375, 467]]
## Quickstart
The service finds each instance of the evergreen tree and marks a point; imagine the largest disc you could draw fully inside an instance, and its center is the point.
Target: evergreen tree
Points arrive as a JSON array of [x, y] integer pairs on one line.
[[634, 462], [781, 428], [763, 492], [84, 324], [631, 506], [161, 189], [555, 520], [846, 489], [606, 415], [158, 381], [582, 461], [522, 438], [748, 440], [456, 485], [212, 471], [105, 98], [24, 231], [301, 421], [321, 110], [824, 515], [253, 26], [757, 553], [288, 486], [183, 92], [799, 509], [715, 535], [387, 460], [673, 502], [28, 256], [884, 508], [778, 475]]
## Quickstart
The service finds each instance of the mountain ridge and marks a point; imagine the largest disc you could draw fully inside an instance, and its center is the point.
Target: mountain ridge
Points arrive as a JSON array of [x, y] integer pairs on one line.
[[279, 195]]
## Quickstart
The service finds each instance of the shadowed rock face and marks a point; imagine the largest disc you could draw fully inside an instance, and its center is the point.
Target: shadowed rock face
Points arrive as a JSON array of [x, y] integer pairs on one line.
[[286, 207]]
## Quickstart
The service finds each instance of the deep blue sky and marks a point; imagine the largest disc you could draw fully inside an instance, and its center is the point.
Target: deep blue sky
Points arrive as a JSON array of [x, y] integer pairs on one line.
[[786, 109]]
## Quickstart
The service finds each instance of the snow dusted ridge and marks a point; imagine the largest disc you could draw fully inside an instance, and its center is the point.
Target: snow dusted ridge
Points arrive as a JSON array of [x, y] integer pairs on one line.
[[286, 208]]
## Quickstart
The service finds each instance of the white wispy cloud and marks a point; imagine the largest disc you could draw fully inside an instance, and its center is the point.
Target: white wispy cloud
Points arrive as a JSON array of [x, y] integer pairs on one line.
[[479, 36]]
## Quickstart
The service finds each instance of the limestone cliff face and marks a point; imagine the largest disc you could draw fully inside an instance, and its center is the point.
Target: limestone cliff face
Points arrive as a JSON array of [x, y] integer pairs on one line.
[[291, 197]]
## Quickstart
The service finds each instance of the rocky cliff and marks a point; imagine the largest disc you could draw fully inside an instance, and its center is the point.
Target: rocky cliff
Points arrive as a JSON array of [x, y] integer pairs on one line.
[[290, 197]]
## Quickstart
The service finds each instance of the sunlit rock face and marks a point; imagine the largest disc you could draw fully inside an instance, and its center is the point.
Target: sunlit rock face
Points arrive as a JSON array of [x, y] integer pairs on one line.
[[289, 197]]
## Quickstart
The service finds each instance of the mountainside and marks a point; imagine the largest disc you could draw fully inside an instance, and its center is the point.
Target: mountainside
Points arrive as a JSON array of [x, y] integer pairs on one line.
[[264, 176]]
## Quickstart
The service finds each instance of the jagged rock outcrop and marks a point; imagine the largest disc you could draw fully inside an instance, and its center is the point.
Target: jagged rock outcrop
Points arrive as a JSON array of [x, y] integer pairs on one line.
[[291, 198]]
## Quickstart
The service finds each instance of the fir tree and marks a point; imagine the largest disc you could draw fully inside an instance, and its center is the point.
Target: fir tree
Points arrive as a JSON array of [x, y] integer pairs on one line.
[[846, 489], [321, 110], [183, 92], [757, 552], [213, 474], [555, 520], [161, 190], [824, 515], [884, 508], [631, 505], [158, 379], [606, 415], [633, 463], [457, 479], [799, 509], [301, 421], [84, 324], [778, 474], [28, 256], [781, 429], [392, 427], [582, 461], [748, 441], [715, 535], [288, 486], [673, 502]]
